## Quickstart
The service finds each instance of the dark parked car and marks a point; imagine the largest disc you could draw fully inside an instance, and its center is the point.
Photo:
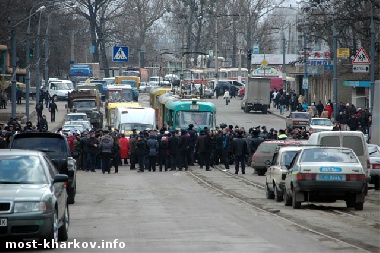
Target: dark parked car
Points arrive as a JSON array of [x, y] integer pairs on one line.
[[33, 198], [56, 147]]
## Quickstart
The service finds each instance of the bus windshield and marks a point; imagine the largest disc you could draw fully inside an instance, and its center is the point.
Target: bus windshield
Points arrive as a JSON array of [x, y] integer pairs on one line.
[[198, 119], [130, 126], [120, 95]]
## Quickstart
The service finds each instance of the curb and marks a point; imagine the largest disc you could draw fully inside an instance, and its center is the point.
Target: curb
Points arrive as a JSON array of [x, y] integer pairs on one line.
[[277, 115]]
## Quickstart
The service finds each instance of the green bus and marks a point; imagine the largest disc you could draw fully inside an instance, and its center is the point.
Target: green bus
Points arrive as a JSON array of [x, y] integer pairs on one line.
[[180, 113]]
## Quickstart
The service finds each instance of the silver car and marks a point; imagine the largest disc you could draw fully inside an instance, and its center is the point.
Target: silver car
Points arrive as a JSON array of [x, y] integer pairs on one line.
[[374, 168]]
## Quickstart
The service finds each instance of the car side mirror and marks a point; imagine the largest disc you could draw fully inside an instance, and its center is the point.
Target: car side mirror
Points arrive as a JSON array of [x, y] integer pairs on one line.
[[60, 178]]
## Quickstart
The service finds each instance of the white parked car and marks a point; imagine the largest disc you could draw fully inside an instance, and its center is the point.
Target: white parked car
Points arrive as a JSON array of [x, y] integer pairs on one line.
[[70, 128], [86, 124], [325, 174], [276, 173], [320, 124]]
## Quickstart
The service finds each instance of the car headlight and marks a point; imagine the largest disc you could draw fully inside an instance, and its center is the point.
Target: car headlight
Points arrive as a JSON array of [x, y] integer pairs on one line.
[[25, 207]]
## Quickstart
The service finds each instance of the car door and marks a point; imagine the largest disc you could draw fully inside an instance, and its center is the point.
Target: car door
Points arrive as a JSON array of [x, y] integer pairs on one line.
[[58, 189], [270, 170]]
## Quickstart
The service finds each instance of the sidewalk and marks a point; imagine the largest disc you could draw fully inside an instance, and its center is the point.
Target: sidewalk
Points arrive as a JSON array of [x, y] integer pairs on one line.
[[276, 112], [6, 114]]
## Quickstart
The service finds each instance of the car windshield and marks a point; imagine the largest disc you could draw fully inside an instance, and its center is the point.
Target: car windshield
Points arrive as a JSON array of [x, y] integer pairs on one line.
[[321, 122], [49, 145], [130, 126], [287, 157], [76, 117], [120, 95], [59, 86], [301, 115], [373, 151], [84, 104], [330, 155], [268, 147], [198, 119], [21, 169]]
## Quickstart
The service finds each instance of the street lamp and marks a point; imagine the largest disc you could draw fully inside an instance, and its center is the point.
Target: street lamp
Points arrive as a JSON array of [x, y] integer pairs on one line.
[[38, 56]]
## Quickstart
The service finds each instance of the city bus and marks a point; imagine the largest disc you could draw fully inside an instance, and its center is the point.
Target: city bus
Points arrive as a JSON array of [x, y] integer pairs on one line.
[[180, 113], [162, 100]]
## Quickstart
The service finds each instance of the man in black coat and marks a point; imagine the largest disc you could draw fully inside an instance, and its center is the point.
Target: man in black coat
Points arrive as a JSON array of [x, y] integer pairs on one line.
[[204, 149], [240, 150], [173, 149], [183, 144]]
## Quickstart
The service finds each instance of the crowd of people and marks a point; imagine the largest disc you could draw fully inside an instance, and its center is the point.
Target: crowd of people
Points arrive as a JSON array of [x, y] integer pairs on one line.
[[348, 118]]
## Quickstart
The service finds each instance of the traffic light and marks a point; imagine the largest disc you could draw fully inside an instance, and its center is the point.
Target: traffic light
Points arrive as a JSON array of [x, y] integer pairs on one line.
[[249, 54], [31, 53]]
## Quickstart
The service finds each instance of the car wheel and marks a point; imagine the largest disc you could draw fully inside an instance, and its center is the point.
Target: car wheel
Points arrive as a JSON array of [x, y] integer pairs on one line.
[[53, 234], [359, 206], [63, 231], [287, 199], [268, 193], [296, 204], [277, 194], [350, 202], [71, 196], [377, 184], [260, 172]]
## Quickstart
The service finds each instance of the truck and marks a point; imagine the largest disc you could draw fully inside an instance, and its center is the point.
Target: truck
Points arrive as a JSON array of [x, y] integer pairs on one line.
[[133, 81], [89, 102], [257, 95], [80, 72]]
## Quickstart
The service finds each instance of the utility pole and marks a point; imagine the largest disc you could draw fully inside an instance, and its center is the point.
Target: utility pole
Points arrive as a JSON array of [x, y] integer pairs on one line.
[[372, 57], [283, 62], [335, 69], [38, 56], [14, 66]]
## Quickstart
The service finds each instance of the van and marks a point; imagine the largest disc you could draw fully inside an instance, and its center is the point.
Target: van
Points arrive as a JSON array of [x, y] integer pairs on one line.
[[354, 140]]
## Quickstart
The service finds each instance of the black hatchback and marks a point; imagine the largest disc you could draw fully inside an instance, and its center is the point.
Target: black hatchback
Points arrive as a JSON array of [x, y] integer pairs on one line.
[[55, 145]]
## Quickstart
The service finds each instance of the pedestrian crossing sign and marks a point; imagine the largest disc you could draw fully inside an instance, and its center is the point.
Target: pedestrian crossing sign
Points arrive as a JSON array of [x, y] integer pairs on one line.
[[361, 57], [120, 54]]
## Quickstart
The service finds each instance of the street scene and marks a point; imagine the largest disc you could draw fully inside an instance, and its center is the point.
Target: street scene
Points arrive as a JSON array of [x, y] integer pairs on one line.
[[189, 126]]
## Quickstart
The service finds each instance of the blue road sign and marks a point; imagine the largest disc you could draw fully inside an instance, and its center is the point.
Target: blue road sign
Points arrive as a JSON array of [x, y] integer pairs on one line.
[[120, 54]]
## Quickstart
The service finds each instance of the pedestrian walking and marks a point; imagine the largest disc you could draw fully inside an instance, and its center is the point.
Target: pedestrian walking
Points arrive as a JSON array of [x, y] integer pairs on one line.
[[52, 109], [226, 96], [163, 151], [39, 108]]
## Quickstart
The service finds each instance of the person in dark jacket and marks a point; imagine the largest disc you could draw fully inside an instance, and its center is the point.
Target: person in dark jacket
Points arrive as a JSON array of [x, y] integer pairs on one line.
[[353, 123], [173, 149], [163, 152], [141, 149], [106, 146], [204, 149], [52, 109], [116, 153], [192, 140], [240, 150], [153, 149], [183, 144], [320, 107], [92, 150]]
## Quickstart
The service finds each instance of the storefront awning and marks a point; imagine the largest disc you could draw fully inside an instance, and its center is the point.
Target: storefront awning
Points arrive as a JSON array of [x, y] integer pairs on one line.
[[365, 84]]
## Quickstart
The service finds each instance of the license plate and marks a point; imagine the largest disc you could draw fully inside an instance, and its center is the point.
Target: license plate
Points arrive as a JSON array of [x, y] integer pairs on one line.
[[194, 107], [3, 222], [331, 177]]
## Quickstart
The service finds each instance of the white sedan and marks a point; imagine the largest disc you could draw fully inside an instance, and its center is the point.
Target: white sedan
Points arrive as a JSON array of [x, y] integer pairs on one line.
[[320, 124]]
